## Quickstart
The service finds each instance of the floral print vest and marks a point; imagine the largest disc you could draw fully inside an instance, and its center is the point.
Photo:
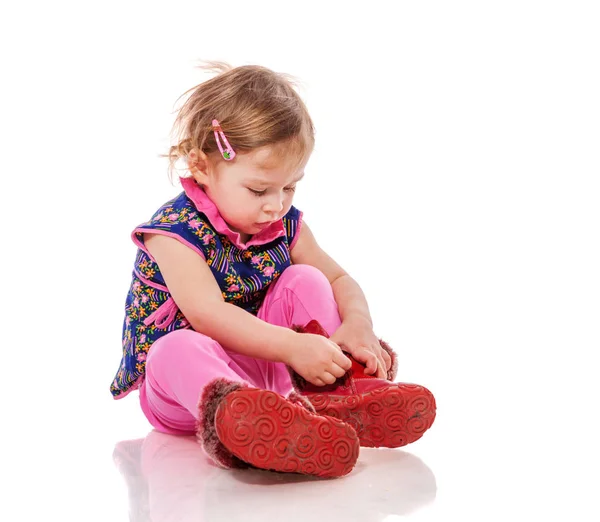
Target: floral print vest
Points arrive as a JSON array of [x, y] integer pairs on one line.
[[243, 272]]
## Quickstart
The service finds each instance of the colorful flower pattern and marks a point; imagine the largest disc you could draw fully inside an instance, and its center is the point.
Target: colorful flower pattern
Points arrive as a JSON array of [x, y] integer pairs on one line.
[[244, 277]]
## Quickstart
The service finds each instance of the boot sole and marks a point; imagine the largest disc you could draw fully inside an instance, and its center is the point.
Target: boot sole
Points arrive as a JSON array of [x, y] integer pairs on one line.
[[265, 430], [390, 417]]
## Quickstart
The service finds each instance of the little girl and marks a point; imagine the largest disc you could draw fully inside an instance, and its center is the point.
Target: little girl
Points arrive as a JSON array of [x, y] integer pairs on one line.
[[238, 326]]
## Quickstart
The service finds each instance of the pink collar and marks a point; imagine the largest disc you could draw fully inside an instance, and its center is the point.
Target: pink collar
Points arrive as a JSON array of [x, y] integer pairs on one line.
[[205, 205]]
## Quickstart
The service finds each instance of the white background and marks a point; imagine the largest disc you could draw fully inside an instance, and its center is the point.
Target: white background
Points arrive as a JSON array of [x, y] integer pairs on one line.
[[455, 177]]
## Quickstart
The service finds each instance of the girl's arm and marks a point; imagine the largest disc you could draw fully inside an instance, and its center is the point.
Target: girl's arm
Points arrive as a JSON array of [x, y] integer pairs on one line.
[[349, 297], [198, 296], [188, 276], [355, 335]]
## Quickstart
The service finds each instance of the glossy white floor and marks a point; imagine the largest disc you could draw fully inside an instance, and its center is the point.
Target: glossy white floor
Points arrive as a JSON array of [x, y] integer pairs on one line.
[[457, 140], [510, 447]]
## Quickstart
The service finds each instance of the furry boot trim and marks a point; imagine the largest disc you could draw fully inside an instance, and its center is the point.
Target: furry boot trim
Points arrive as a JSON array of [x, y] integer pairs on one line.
[[206, 433], [296, 398], [393, 371]]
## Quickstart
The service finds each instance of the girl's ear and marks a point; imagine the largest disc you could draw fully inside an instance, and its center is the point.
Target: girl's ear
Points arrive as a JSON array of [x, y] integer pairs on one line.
[[198, 165]]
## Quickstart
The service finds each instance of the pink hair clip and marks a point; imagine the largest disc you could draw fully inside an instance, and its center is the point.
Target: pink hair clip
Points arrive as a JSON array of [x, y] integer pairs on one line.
[[228, 153]]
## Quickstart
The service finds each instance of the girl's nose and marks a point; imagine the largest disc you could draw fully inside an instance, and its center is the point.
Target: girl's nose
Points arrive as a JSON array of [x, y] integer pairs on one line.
[[274, 204]]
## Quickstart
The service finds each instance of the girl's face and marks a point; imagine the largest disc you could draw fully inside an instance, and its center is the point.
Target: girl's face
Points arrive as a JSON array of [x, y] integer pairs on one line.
[[252, 191]]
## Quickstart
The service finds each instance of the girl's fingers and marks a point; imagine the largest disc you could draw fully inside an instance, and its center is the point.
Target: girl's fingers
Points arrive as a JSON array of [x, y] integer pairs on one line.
[[329, 378], [381, 371], [371, 362], [318, 382], [382, 366], [387, 359], [375, 364], [337, 370], [341, 360]]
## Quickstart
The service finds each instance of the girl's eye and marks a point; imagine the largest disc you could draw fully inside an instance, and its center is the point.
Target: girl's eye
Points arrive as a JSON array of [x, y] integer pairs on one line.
[[263, 192]]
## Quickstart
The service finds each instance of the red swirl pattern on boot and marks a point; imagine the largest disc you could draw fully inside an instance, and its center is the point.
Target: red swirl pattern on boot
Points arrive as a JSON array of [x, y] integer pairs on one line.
[[262, 428], [383, 413]]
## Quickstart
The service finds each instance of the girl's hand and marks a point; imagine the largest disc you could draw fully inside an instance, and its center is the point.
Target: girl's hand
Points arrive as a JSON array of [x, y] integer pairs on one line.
[[316, 358], [356, 337]]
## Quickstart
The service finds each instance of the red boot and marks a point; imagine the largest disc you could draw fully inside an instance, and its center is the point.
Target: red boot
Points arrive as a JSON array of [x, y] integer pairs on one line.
[[383, 413], [242, 427]]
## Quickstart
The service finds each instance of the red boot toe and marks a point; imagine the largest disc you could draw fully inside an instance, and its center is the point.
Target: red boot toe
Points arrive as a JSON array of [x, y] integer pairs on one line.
[[383, 413]]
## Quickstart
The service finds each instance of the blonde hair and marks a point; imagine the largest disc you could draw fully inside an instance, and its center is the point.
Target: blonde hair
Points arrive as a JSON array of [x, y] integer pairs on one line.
[[255, 107]]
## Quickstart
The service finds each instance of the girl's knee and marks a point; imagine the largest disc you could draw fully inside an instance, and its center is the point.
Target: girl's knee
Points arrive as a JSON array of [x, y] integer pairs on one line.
[[176, 344], [304, 275]]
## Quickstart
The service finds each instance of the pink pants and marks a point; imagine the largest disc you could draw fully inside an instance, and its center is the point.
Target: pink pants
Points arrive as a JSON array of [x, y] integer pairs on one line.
[[182, 362]]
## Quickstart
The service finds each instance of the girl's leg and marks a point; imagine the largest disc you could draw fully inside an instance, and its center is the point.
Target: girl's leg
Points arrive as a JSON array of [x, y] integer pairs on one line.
[[178, 367], [301, 293], [194, 386], [181, 363]]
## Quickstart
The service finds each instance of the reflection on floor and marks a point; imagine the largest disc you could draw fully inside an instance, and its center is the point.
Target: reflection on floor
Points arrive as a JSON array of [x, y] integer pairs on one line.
[[169, 478]]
